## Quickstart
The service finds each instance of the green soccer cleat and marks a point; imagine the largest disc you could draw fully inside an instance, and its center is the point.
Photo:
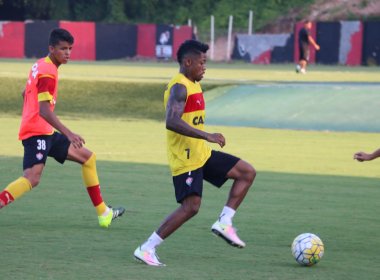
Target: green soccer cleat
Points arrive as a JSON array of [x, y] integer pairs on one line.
[[105, 221]]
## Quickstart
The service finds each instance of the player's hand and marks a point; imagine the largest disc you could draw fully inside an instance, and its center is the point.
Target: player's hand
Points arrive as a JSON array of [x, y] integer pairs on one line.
[[216, 138], [317, 47], [361, 156], [76, 140]]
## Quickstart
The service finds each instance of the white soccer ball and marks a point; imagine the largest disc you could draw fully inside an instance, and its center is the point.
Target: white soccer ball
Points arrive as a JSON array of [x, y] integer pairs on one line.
[[307, 249]]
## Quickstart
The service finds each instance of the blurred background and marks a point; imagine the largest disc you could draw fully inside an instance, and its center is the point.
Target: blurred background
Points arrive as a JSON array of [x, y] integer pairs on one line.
[[255, 31]]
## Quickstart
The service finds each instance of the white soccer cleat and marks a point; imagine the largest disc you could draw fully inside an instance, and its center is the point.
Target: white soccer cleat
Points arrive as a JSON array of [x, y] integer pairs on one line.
[[147, 257], [303, 71], [228, 233]]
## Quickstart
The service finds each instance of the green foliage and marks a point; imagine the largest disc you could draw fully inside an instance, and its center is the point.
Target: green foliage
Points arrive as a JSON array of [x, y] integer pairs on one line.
[[38, 9], [175, 12], [60, 10], [94, 10], [116, 11]]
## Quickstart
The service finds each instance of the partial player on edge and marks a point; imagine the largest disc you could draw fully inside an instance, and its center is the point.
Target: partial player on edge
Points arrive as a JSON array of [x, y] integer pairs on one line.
[[43, 134], [362, 156]]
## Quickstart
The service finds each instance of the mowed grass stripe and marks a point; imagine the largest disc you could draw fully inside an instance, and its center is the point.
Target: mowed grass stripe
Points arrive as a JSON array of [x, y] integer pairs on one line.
[[143, 141], [238, 72], [54, 227]]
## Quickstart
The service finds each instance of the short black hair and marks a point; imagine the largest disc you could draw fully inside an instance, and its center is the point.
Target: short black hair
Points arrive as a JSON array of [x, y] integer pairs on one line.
[[191, 46], [59, 34]]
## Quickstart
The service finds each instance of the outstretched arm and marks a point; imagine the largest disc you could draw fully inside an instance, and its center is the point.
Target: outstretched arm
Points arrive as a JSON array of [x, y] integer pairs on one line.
[[53, 120], [311, 41], [174, 110], [361, 156]]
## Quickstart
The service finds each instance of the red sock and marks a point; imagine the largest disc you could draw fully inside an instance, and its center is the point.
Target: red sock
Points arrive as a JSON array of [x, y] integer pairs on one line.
[[5, 198], [95, 195], [96, 198]]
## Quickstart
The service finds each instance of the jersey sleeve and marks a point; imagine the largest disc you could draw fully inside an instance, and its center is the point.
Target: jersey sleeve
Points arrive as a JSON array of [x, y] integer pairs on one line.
[[45, 87]]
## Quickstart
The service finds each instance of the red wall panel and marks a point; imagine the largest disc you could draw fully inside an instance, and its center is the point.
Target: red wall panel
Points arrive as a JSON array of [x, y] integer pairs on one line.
[[84, 39], [263, 58], [180, 34], [354, 57], [12, 40], [313, 33], [146, 40]]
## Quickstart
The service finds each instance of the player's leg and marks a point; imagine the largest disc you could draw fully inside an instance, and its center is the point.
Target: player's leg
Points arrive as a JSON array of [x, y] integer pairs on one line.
[[305, 59], [87, 159], [188, 189], [188, 209], [300, 60], [302, 64], [243, 175], [217, 170], [20, 186], [147, 251], [36, 150]]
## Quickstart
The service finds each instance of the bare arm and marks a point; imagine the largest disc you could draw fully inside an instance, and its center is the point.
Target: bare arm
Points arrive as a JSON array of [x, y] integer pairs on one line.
[[361, 156], [174, 111], [53, 120], [315, 45]]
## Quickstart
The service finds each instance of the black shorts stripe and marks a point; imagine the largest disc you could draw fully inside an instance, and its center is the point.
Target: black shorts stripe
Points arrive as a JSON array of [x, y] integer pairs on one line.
[[214, 171], [38, 148]]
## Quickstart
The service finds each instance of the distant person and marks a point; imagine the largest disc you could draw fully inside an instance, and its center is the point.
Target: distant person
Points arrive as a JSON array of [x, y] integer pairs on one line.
[[38, 135], [361, 156], [304, 41], [191, 160]]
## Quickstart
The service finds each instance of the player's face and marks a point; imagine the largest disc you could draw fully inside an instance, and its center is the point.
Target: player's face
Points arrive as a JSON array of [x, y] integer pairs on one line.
[[60, 53], [198, 66]]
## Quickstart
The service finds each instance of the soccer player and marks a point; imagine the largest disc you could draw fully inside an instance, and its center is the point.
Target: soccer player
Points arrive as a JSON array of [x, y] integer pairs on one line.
[[191, 160], [38, 135], [304, 40], [361, 156]]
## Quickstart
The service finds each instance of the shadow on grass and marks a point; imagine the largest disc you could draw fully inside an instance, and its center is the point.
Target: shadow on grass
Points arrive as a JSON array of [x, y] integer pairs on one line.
[[55, 226]]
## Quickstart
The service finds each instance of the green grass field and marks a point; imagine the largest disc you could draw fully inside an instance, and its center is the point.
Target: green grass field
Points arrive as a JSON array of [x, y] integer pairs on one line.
[[307, 182]]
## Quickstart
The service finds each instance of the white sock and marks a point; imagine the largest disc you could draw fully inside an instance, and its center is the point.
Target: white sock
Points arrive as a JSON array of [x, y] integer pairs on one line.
[[227, 215], [153, 241], [106, 212]]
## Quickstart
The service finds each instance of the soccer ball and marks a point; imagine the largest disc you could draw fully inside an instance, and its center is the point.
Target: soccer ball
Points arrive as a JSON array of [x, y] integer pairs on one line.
[[307, 249]]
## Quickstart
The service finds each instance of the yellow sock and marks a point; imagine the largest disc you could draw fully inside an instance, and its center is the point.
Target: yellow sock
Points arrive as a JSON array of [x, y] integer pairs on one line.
[[89, 173], [90, 179], [101, 209], [18, 187]]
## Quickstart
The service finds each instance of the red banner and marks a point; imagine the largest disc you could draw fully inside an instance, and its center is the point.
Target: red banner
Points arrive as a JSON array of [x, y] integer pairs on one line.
[[146, 40], [84, 39], [12, 40], [180, 34], [354, 57]]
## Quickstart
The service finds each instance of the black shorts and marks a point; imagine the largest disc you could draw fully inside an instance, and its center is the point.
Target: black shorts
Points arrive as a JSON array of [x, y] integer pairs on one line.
[[304, 53], [214, 171], [38, 148]]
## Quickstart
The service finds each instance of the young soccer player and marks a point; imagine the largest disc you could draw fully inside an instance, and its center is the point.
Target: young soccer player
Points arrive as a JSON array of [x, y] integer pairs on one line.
[[38, 135], [361, 156], [191, 160], [304, 41]]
